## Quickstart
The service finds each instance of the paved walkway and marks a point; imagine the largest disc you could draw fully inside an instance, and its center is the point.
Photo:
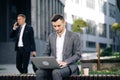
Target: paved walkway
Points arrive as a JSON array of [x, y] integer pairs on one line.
[[11, 69]]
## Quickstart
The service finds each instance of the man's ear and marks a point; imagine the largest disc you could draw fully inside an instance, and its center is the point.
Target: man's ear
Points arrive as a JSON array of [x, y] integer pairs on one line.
[[64, 23], [24, 19]]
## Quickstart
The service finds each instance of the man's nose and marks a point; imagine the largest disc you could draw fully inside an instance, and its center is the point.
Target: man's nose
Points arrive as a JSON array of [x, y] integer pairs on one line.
[[56, 28]]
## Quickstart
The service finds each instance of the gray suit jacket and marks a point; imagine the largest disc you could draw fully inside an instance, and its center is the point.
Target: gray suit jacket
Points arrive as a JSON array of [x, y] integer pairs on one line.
[[71, 49]]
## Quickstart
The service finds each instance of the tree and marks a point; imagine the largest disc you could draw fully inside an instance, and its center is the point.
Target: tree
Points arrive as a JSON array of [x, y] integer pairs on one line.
[[116, 27], [116, 32], [78, 24]]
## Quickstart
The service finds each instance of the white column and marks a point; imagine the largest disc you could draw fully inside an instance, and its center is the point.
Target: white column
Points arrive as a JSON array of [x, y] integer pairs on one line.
[[33, 16], [38, 18]]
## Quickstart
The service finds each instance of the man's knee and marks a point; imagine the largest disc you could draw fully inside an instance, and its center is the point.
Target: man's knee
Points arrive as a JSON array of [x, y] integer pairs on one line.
[[55, 72], [39, 74]]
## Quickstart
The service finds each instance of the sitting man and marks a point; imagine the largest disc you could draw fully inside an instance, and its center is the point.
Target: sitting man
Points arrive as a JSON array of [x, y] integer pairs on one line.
[[65, 47]]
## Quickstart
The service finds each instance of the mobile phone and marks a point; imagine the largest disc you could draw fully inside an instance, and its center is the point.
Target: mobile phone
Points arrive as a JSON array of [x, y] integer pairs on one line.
[[17, 24]]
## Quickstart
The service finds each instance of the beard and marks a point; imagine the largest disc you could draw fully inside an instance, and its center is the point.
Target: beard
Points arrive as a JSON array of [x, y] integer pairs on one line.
[[59, 32]]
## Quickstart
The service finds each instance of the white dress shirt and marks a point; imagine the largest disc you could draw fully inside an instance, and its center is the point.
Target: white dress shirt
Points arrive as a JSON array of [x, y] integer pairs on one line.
[[20, 42], [59, 46]]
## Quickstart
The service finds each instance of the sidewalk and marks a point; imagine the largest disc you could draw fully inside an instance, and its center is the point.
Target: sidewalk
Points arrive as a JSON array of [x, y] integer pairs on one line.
[[11, 69]]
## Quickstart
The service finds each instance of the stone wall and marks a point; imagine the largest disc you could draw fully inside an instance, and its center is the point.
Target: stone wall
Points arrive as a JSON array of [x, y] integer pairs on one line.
[[106, 66]]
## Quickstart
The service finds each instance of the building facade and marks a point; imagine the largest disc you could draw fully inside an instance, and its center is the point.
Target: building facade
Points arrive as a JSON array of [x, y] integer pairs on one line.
[[42, 14], [100, 15]]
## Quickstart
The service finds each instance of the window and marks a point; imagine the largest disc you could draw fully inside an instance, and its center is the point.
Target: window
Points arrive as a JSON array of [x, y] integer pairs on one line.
[[102, 30], [80, 2], [103, 45], [65, 16], [90, 4], [90, 44], [77, 1], [103, 6], [91, 29], [111, 10], [110, 32], [72, 0], [74, 17]]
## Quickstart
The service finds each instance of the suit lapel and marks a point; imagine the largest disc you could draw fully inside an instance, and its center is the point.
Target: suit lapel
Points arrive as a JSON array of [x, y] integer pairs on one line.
[[65, 42], [54, 44], [25, 29], [18, 32]]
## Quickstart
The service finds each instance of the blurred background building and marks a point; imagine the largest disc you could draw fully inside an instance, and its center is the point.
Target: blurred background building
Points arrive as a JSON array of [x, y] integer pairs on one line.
[[100, 15]]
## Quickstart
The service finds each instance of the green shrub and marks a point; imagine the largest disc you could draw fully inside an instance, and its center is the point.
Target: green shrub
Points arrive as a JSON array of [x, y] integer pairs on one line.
[[117, 54], [106, 52], [106, 72]]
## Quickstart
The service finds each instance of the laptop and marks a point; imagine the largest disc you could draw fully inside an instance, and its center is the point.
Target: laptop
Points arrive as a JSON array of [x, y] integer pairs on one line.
[[45, 62]]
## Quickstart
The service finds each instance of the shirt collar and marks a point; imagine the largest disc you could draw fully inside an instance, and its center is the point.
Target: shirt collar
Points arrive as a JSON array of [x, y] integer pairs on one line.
[[23, 25]]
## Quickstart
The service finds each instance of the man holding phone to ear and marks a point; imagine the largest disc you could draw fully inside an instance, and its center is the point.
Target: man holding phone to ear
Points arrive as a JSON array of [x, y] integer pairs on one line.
[[25, 43]]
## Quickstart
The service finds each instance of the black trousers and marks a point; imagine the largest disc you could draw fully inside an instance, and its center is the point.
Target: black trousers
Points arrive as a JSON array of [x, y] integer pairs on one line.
[[34, 67], [22, 60]]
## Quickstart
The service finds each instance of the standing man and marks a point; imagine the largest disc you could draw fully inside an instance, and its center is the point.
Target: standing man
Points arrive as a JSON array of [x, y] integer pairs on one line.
[[65, 47], [24, 36]]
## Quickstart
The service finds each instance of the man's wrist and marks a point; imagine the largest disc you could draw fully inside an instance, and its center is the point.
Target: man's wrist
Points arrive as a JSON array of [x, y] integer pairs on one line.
[[14, 28]]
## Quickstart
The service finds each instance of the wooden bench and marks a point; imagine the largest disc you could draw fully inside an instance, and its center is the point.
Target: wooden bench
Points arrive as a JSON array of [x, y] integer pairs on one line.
[[78, 77]]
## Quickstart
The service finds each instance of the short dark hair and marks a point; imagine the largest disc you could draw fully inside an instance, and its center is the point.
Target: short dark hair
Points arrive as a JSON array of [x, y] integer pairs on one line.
[[56, 17], [22, 15]]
